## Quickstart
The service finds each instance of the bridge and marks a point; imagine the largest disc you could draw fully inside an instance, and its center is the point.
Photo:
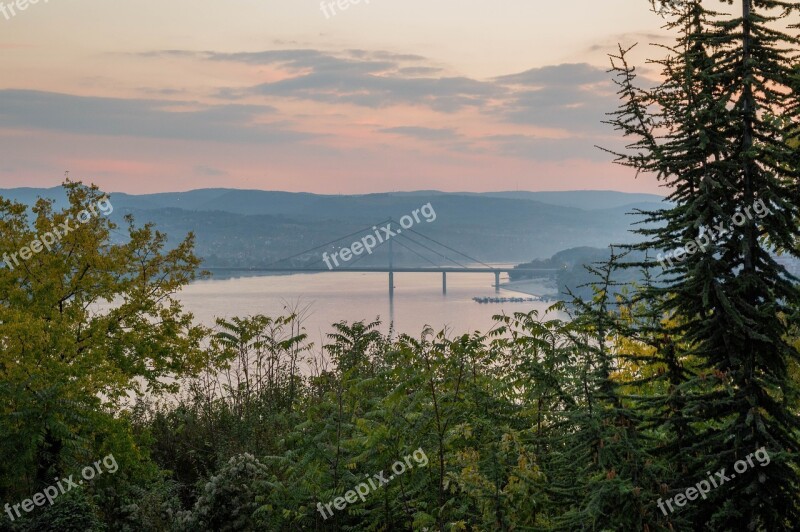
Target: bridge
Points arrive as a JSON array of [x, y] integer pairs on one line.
[[400, 236]]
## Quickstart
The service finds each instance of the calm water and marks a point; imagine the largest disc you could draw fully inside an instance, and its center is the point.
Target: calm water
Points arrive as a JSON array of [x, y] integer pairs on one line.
[[331, 297]]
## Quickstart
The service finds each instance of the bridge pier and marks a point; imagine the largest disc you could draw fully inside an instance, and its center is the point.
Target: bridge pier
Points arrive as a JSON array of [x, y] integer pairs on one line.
[[497, 282], [391, 269], [444, 283]]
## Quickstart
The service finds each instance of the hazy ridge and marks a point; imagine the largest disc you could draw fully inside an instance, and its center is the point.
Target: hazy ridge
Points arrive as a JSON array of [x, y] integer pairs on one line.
[[254, 228]]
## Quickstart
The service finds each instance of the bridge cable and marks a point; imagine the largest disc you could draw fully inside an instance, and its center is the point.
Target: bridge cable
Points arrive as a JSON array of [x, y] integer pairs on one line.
[[451, 249], [417, 254], [322, 246], [434, 251]]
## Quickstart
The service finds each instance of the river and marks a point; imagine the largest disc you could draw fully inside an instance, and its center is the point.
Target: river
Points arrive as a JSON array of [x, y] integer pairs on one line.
[[326, 298]]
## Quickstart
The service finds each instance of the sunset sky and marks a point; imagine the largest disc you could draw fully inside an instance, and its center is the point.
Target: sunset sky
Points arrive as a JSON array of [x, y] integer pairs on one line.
[[454, 95]]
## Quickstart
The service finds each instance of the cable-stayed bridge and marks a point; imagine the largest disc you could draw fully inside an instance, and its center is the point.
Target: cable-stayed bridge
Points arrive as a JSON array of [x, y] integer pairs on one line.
[[386, 234]]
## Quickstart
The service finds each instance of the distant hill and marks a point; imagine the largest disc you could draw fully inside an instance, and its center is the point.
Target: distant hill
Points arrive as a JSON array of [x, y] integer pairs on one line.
[[583, 199], [302, 203], [572, 277], [251, 228], [580, 199]]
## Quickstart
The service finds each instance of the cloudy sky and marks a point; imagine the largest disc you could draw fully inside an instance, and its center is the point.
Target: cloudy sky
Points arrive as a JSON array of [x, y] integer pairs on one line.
[[389, 95]]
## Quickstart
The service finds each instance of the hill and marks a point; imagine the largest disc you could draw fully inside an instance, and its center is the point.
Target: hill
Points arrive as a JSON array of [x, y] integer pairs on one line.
[[251, 228]]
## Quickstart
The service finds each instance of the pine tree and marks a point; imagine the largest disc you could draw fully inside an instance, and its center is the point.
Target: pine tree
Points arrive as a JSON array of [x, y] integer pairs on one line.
[[709, 132]]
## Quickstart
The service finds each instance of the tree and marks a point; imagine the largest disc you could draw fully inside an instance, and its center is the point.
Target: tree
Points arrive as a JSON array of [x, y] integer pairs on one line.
[[708, 132], [600, 471], [85, 322]]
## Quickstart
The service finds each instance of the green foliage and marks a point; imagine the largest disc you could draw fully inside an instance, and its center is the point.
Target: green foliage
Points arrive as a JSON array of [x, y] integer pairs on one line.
[[229, 498], [718, 131], [72, 512], [157, 507], [83, 325]]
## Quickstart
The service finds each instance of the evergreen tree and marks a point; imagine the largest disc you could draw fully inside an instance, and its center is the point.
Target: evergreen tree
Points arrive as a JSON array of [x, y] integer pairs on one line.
[[709, 132]]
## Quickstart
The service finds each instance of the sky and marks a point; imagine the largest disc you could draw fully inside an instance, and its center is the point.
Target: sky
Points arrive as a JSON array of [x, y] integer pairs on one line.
[[385, 95]]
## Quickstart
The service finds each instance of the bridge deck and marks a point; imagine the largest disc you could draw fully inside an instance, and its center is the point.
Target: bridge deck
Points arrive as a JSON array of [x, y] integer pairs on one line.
[[386, 269]]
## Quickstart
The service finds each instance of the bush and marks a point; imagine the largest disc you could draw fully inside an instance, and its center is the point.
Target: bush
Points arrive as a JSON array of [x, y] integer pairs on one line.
[[229, 498]]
